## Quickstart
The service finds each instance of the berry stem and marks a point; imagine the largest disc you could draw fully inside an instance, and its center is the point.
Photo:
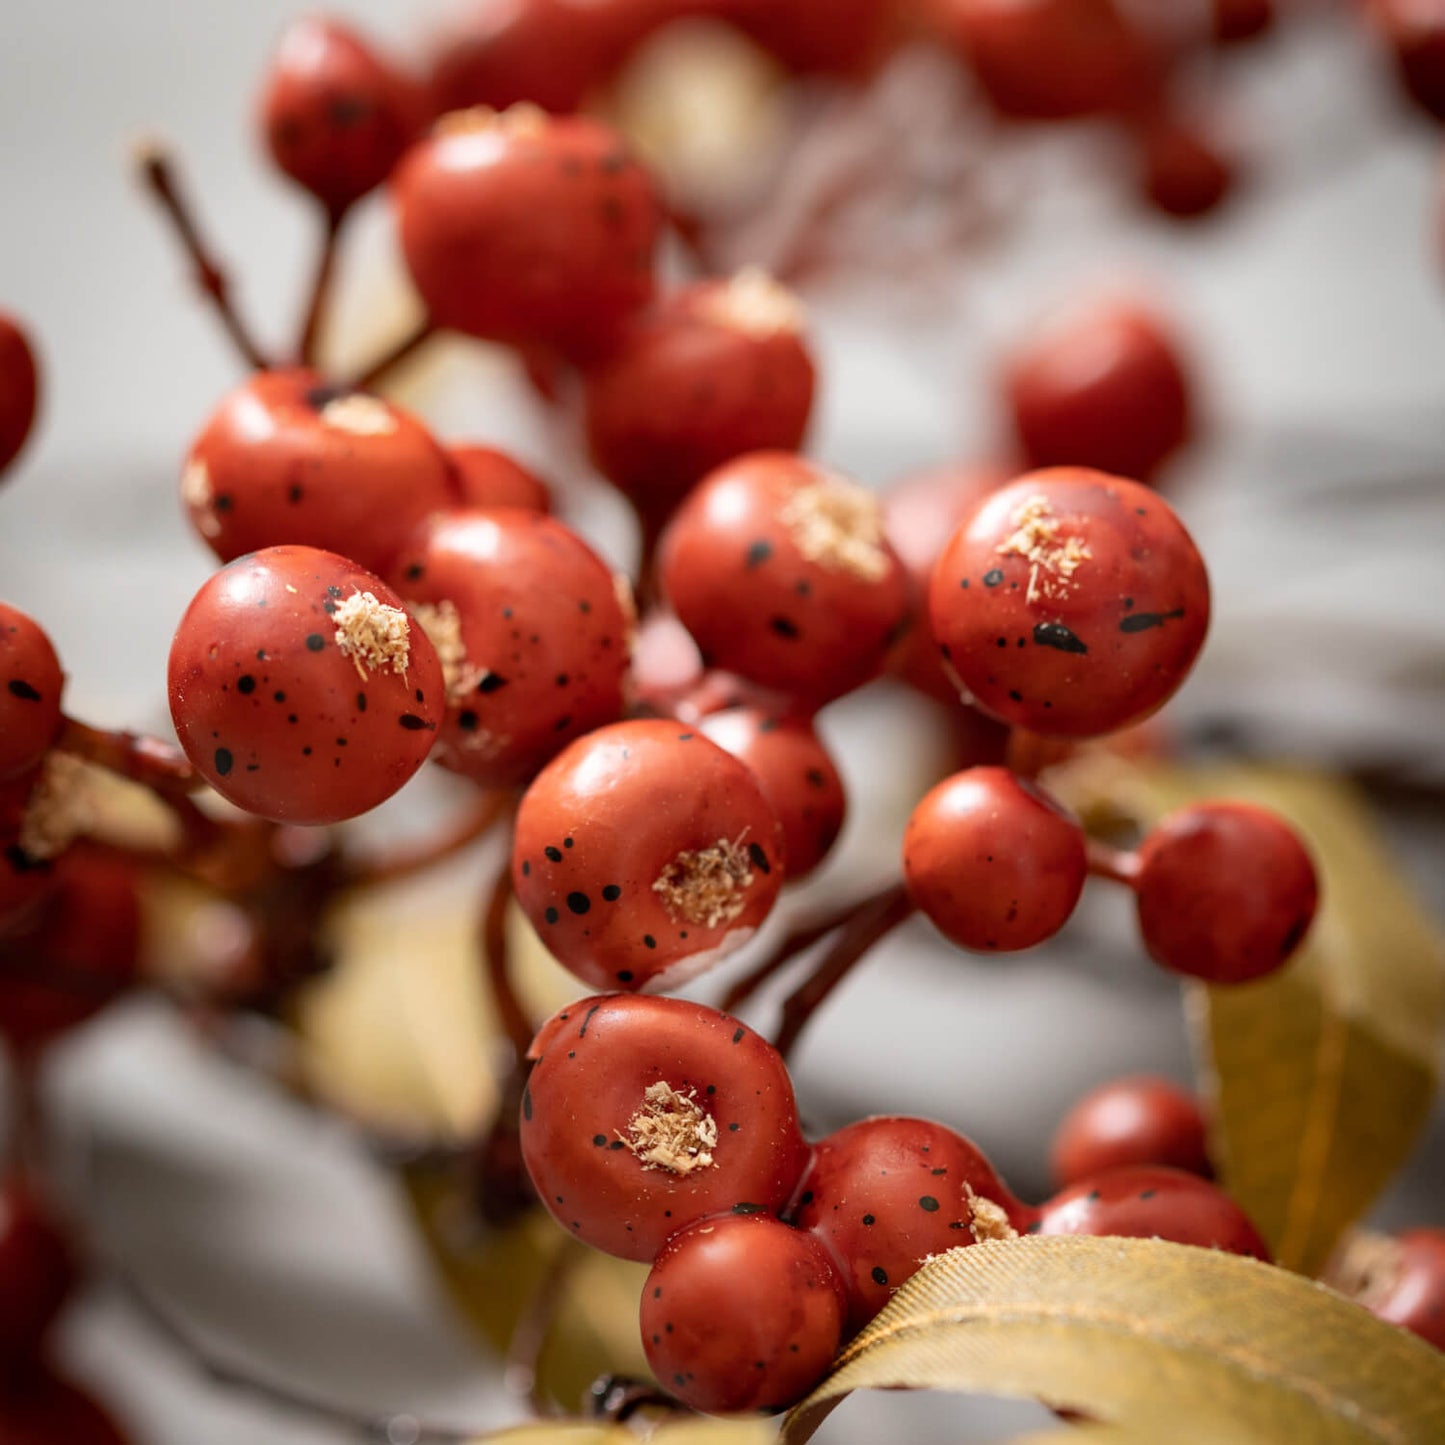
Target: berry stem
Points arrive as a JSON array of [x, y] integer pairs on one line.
[[398, 353], [872, 920], [524, 1351], [157, 168], [471, 824], [1117, 864], [1028, 754], [513, 1017], [320, 295]]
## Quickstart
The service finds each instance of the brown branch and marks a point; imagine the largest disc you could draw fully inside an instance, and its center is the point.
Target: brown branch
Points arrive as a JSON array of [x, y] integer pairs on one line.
[[516, 1025], [398, 353], [157, 168], [878, 917], [319, 297], [470, 824]]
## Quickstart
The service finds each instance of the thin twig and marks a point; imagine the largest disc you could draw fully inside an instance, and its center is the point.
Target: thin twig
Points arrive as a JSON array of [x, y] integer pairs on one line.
[[1117, 864], [882, 914], [471, 824], [320, 295], [157, 168], [513, 1017], [521, 1373], [401, 351]]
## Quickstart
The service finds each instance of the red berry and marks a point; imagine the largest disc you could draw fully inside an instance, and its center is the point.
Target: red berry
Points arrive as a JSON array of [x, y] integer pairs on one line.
[[717, 369], [795, 772], [300, 689], [37, 1273], [30, 684], [334, 114], [993, 860], [25, 876], [1105, 387], [1137, 1120], [741, 1312], [525, 229], [782, 573], [1226, 892], [1240, 20], [551, 52], [643, 854], [74, 954], [1182, 174], [40, 1408], [1051, 59], [644, 1114], [884, 1194], [286, 457], [1070, 603], [19, 389], [1409, 1289], [1148, 1202], [1415, 33], [533, 638], [830, 37], [920, 514], [489, 478]]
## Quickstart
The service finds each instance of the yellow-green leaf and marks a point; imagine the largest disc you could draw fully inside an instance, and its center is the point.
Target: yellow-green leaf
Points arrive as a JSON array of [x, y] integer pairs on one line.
[[1321, 1077], [1189, 1344], [679, 1432]]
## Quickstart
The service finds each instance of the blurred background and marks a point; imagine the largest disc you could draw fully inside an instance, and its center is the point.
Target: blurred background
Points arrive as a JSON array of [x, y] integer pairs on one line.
[[1311, 308]]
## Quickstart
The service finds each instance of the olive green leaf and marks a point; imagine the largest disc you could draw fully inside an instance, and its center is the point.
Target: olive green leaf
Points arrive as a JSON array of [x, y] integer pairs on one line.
[[681, 1432], [1320, 1077], [1165, 1341]]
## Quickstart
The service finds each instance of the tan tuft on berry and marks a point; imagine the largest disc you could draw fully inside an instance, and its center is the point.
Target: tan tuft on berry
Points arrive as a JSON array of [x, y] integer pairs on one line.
[[756, 305], [521, 119], [442, 624], [196, 494], [360, 415], [705, 886], [987, 1220], [1052, 559], [838, 525], [373, 635], [59, 809], [671, 1131]]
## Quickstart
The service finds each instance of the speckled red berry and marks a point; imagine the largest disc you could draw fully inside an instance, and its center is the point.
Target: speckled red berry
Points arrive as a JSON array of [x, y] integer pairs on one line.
[[74, 953], [1141, 1119], [1070, 603], [300, 689], [19, 389], [1407, 1284], [781, 571], [335, 115], [644, 853], [286, 457], [38, 1407], [527, 621], [1104, 386], [797, 776], [487, 477], [717, 369], [1226, 892], [883, 1194], [37, 1273], [920, 514], [740, 1313], [1182, 174], [644, 1114], [994, 861], [1051, 59], [1150, 1202], [525, 229], [30, 686]]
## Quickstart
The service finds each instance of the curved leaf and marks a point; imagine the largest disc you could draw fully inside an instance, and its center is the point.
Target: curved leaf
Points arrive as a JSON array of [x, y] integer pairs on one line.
[[1189, 1344], [1321, 1077]]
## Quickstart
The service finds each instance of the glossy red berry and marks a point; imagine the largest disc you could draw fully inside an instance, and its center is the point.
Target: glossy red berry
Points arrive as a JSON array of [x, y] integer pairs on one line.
[[30, 686], [487, 477], [741, 1312], [1415, 35], [19, 389], [1137, 1120], [644, 853], [781, 571], [884, 1194], [994, 861], [920, 514], [1070, 603], [38, 1407], [717, 369], [527, 621], [300, 689], [796, 773], [37, 1273], [1149, 1202], [335, 115], [289, 458], [1226, 892], [1408, 1288], [1181, 173], [526, 229], [820, 37], [74, 953], [1106, 386], [644, 1114], [1051, 59]]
